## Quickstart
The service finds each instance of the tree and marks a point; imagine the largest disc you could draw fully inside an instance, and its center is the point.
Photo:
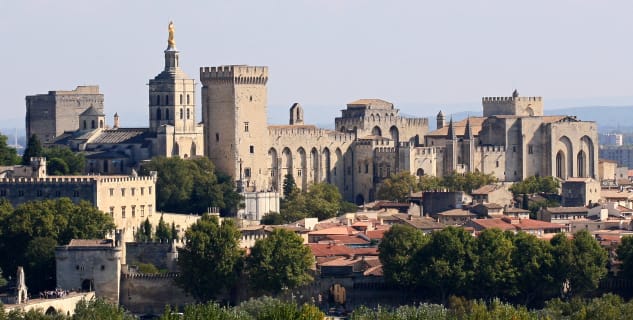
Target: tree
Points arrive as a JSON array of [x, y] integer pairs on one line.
[[398, 187], [279, 261], [62, 161], [533, 262], [144, 232], [99, 309], [397, 247], [430, 183], [447, 263], [535, 184], [8, 156], [495, 275], [30, 232], [3, 281], [467, 182], [289, 185], [192, 186], [273, 218], [33, 149], [323, 201], [211, 259], [163, 233], [625, 254]]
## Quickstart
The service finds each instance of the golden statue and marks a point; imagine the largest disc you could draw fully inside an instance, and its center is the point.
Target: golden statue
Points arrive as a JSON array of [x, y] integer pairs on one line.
[[171, 42]]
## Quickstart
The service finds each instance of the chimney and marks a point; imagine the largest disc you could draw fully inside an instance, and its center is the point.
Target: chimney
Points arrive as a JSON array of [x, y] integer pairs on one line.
[[116, 121]]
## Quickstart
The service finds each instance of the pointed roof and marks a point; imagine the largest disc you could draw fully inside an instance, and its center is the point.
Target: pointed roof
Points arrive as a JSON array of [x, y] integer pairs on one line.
[[440, 114], [92, 111], [451, 132], [468, 132]]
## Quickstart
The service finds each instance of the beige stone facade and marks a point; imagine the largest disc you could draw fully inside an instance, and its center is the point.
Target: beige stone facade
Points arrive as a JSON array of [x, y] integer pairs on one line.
[[50, 115]]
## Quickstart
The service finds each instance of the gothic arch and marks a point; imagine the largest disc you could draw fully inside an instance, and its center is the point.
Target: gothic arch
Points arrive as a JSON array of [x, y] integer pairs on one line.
[[286, 162], [395, 134], [339, 168], [316, 166], [166, 114], [359, 200], [175, 150], [566, 147], [342, 129], [581, 163], [560, 164], [376, 131], [303, 168], [327, 165], [586, 144], [420, 172], [158, 114], [274, 167], [193, 149]]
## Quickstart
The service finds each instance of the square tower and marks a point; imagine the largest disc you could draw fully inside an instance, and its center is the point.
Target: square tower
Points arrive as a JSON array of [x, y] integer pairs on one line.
[[512, 106], [234, 103]]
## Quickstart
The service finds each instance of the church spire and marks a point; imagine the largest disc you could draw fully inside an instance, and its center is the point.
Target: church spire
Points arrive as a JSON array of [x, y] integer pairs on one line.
[[468, 133], [451, 130]]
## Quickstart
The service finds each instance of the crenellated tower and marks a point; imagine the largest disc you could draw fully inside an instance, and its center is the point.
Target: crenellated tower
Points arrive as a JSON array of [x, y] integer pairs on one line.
[[234, 111]]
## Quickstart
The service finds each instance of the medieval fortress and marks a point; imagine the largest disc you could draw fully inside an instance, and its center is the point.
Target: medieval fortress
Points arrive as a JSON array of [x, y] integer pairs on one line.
[[512, 141]]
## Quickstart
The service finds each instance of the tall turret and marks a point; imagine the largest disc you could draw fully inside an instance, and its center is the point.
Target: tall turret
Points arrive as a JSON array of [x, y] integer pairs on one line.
[[296, 114], [441, 120]]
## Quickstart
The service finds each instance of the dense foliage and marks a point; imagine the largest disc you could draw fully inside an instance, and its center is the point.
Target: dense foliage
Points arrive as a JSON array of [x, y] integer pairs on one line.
[[8, 156], [517, 267], [211, 260], [322, 201], [399, 186], [625, 255], [279, 261], [535, 184], [30, 232], [60, 160], [192, 186]]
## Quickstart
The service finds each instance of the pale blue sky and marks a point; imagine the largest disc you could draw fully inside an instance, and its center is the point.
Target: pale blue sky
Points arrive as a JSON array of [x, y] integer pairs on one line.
[[421, 55]]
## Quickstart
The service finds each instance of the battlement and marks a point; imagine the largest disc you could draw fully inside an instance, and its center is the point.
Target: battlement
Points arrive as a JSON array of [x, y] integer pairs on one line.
[[168, 275], [77, 179], [387, 150], [294, 132], [510, 99], [490, 149], [78, 90], [420, 151], [234, 74]]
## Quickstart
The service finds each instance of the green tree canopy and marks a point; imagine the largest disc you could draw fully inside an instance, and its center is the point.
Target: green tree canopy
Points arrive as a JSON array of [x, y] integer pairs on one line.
[[398, 187], [33, 149], [163, 232], [60, 160], [535, 184], [211, 259], [279, 261], [322, 200], [625, 254], [396, 248], [191, 186], [8, 156], [30, 232], [495, 275], [289, 185]]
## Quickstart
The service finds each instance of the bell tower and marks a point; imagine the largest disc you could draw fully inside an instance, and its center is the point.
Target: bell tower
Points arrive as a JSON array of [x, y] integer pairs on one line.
[[172, 93]]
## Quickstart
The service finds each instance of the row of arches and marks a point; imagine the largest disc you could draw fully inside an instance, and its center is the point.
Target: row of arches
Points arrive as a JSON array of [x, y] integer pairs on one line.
[[306, 167], [572, 163], [165, 101], [182, 113]]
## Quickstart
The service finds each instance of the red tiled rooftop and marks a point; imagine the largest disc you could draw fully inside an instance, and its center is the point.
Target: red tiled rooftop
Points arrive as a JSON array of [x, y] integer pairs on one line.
[[324, 250], [529, 224], [493, 223], [376, 234], [342, 230], [344, 239]]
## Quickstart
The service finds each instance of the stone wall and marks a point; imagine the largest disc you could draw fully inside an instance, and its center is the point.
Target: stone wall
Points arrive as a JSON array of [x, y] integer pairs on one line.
[[148, 294]]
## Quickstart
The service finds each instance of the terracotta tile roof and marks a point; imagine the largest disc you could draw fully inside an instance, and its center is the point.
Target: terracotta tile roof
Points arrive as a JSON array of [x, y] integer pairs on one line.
[[615, 194], [491, 224], [376, 234], [623, 209], [374, 271], [486, 189], [325, 250], [456, 213], [529, 224], [560, 210], [344, 239], [342, 230], [515, 210], [460, 127], [422, 223]]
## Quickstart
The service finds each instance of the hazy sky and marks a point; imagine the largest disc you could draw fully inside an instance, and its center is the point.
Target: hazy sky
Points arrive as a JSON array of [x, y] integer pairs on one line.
[[422, 55]]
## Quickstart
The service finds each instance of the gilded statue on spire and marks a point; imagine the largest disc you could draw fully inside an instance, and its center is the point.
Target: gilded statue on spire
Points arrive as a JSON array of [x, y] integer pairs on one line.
[[171, 42]]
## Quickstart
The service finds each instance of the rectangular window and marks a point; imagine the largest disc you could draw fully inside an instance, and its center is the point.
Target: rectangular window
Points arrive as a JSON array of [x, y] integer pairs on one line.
[[133, 211], [111, 192], [497, 163], [247, 172], [3, 193], [149, 210], [366, 168], [133, 191], [39, 193], [514, 148], [251, 149], [75, 194], [112, 212], [530, 149], [20, 193], [123, 212], [245, 126], [142, 211], [150, 190], [299, 173], [122, 192], [334, 171], [142, 190]]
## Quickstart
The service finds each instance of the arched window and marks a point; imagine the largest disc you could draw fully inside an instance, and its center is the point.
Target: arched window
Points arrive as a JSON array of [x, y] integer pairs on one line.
[[166, 99], [181, 99], [166, 114], [188, 100], [85, 127], [181, 113], [158, 115], [92, 124], [100, 123], [188, 113], [158, 100]]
